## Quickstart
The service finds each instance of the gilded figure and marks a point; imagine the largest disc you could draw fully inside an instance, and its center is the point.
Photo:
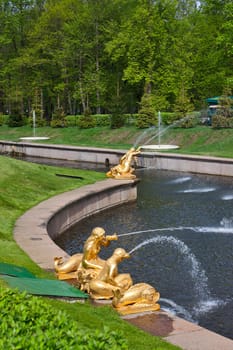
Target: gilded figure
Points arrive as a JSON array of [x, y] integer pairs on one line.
[[124, 170]]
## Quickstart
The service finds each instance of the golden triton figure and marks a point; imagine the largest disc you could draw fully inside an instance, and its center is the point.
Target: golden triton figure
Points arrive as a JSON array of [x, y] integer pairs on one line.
[[88, 260], [124, 170], [92, 246]]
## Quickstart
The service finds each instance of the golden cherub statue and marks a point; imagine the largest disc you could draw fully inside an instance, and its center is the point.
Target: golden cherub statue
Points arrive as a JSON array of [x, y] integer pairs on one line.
[[124, 170], [101, 280]]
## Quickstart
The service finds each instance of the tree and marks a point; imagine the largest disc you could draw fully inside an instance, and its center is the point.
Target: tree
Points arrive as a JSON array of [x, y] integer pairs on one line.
[[146, 114], [183, 106]]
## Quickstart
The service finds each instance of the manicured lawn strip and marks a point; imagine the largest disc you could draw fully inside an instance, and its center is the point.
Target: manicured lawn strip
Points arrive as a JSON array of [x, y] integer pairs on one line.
[[23, 185], [202, 141]]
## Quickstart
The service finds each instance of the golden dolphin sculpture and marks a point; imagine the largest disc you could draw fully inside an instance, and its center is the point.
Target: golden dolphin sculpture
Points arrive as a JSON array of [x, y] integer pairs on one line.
[[139, 297]]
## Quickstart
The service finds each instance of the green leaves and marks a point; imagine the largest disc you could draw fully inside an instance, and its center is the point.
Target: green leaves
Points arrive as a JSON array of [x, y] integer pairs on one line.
[[28, 322], [82, 54]]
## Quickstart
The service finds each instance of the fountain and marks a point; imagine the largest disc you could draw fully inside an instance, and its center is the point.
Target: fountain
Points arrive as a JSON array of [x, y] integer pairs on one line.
[[160, 131], [34, 137], [179, 236]]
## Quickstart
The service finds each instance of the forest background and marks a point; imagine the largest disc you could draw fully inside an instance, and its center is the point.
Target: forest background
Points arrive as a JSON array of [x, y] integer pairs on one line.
[[103, 56]]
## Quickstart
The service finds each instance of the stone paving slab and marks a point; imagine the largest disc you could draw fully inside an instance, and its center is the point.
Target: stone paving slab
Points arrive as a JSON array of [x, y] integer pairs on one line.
[[187, 335]]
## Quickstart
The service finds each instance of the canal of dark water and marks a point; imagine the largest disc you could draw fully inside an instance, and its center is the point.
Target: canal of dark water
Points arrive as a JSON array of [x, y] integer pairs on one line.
[[180, 235]]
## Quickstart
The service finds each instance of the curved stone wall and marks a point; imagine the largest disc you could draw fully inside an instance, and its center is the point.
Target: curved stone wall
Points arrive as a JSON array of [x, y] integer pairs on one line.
[[35, 230]]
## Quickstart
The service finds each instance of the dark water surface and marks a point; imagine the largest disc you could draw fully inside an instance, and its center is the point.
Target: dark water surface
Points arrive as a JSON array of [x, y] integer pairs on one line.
[[180, 233]]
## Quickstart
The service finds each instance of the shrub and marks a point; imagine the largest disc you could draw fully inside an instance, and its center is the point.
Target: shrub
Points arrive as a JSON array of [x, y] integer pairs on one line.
[[130, 119], [102, 119], [188, 122], [3, 119], [39, 121], [168, 118], [86, 121], [117, 121], [219, 121], [58, 118], [15, 120], [72, 120], [183, 106], [29, 322]]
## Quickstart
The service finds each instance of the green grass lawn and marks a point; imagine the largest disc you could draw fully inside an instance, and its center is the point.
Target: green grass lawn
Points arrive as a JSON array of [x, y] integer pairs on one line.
[[201, 140], [22, 186]]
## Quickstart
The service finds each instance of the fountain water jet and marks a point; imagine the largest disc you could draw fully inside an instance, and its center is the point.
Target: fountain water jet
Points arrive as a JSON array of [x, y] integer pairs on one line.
[[147, 147], [174, 308], [34, 137], [198, 275]]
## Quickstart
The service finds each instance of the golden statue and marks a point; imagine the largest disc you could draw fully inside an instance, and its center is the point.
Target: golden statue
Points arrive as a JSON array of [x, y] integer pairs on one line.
[[100, 278], [139, 297], [92, 246], [88, 260], [67, 269], [124, 170], [108, 280]]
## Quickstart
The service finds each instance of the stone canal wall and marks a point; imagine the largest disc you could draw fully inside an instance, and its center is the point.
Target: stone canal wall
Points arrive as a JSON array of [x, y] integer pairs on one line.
[[156, 160]]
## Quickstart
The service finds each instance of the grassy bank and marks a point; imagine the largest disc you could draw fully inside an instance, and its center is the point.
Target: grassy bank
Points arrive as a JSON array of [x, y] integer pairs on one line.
[[23, 185], [201, 140]]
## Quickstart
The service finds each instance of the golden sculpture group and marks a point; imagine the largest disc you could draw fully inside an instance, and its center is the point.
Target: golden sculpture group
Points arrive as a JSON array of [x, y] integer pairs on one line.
[[101, 280]]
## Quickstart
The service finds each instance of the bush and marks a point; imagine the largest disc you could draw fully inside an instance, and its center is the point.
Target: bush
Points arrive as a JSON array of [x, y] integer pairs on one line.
[[3, 119], [117, 121], [58, 118], [188, 122], [39, 122], [102, 119], [219, 121], [29, 322], [72, 120], [130, 119], [168, 118], [16, 120], [86, 121]]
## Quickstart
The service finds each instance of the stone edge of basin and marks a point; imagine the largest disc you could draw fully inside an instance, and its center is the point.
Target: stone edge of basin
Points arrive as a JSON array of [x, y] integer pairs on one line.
[[35, 230]]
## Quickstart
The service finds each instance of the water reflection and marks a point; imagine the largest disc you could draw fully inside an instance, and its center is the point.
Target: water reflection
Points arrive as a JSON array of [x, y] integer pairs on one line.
[[181, 235]]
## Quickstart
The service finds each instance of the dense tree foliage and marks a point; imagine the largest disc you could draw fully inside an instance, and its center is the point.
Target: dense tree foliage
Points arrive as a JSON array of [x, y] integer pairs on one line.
[[82, 56]]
